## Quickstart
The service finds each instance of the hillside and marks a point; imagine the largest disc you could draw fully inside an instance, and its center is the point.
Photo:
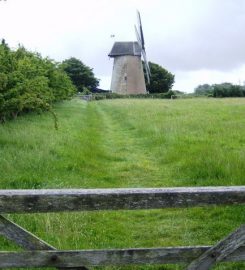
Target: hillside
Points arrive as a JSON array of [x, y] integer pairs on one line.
[[129, 143]]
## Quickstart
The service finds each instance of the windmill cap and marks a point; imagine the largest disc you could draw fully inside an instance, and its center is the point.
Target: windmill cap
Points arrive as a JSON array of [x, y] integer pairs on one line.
[[125, 48]]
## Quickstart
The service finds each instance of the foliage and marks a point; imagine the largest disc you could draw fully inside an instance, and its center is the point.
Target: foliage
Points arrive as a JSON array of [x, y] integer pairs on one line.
[[128, 143], [228, 90], [220, 90], [161, 80], [81, 75], [177, 92], [166, 95], [86, 91], [203, 90], [29, 82]]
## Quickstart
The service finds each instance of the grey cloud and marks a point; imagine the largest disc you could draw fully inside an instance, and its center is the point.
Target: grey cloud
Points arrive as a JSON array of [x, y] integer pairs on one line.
[[216, 41]]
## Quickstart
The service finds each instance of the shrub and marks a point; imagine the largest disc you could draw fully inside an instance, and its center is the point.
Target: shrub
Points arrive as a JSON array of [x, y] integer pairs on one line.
[[29, 82], [100, 96]]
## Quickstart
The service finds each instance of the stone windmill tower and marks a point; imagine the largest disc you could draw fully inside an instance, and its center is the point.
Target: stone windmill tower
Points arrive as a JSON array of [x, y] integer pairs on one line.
[[128, 74]]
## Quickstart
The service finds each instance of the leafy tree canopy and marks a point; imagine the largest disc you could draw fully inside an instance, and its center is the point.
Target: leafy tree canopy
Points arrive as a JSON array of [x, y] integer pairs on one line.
[[228, 90], [220, 90], [161, 80], [29, 82], [81, 75], [204, 90]]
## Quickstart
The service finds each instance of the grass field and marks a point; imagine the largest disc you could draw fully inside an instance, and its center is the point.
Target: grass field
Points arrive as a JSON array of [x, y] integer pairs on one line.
[[129, 143]]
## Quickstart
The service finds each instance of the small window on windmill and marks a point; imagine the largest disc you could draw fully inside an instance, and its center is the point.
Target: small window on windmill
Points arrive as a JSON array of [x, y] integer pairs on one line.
[[125, 76]]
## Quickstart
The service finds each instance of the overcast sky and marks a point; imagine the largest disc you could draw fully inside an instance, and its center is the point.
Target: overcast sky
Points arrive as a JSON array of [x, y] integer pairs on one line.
[[200, 41]]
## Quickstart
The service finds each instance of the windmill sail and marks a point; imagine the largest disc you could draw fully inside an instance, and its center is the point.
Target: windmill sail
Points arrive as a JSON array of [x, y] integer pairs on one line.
[[141, 31], [147, 67], [141, 41], [138, 36]]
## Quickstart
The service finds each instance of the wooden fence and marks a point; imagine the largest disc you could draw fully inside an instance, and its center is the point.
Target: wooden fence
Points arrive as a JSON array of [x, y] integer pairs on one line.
[[40, 254]]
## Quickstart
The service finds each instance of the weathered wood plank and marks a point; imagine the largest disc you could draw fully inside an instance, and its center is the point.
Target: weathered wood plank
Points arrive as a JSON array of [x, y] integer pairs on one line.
[[107, 257], [21, 237], [25, 239], [219, 251], [29, 201]]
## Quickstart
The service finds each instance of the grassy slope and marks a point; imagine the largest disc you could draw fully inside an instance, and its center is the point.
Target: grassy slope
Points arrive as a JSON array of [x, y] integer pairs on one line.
[[129, 143]]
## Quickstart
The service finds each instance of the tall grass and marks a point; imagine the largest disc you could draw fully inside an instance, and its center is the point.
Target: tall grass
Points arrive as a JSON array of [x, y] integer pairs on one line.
[[129, 143]]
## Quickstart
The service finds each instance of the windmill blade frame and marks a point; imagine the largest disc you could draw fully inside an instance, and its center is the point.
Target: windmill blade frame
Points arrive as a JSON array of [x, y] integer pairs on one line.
[[141, 41], [147, 67], [146, 61], [141, 31], [138, 36]]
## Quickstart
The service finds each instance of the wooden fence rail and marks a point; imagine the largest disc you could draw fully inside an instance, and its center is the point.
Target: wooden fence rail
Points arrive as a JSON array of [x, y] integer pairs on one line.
[[41, 254]]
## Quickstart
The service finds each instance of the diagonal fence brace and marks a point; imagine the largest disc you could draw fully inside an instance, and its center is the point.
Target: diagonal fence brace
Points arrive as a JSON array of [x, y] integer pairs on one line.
[[21, 237], [219, 251], [26, 239]]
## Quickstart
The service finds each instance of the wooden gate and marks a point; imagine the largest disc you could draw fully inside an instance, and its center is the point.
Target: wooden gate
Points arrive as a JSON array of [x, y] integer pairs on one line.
[[40, 254]]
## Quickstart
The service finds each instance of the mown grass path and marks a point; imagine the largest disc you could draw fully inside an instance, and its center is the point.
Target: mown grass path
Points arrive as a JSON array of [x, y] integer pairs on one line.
[[129, 143]]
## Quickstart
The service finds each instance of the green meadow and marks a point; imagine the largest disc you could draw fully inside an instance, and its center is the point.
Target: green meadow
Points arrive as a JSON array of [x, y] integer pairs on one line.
[[129, 143]]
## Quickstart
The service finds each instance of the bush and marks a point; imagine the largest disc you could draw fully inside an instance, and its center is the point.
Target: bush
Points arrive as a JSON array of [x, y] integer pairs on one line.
[[167, 95], [220, 90], [29, 82]]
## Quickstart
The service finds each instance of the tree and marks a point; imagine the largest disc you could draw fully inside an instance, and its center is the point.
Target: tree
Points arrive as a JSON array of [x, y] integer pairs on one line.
[[81, 75], [228, 90], [204, 90], [220, 90], [161, 80], [29, 82]]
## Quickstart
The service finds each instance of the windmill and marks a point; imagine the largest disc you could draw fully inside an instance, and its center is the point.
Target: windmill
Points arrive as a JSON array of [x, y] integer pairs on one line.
[[128, 74]]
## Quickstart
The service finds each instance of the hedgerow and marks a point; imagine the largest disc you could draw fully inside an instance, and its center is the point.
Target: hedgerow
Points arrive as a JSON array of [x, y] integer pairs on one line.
[[29, 82], [167, 95]]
